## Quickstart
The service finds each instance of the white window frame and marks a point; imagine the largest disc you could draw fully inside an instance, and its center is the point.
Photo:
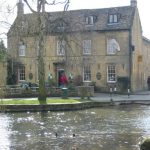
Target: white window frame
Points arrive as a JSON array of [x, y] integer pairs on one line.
[[21, 73], [112, 46], [22, 49], [86, 47], [111, 74], [110, 49], [61, 46], [89, 20], [113, 18], [61, 26], [87, 73]]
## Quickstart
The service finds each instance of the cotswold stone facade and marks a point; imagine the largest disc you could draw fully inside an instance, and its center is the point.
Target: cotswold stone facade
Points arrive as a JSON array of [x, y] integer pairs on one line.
[[3, 74], [104, 47]]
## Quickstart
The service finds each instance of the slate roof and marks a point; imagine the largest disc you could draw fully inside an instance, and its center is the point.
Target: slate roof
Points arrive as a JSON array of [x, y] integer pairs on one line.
[[146, 39], [74, 20]]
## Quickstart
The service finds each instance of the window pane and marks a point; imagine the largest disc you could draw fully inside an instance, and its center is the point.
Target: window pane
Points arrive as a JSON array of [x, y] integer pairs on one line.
[[110, 18], [61, 47], [22, 50], [115, 18], [89, 20], [87, 73], [111, 74], [112, 46], [87, 47], [21, 73]]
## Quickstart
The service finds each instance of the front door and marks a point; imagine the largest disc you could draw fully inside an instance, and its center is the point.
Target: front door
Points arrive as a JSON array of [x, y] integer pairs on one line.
[[59, 73]]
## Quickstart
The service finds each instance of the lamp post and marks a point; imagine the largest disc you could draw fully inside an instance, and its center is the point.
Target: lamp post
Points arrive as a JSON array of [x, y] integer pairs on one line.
[[50, 77], [111, 91], [70, 79], [70, 76], [128, 92], [115, 89]]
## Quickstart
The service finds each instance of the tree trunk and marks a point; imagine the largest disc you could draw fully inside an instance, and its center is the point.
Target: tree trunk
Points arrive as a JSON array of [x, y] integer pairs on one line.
[[41, 15], [41, 69]]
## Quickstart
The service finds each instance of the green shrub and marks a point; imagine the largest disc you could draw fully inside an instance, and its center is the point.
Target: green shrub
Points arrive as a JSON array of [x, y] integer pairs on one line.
[[145, 145], [78, 80], [123, 83]]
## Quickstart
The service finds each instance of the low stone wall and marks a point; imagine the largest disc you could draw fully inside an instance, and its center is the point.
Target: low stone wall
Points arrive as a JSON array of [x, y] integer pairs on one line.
[[17, 92], [85, 91], [52, 107], [68, 107]]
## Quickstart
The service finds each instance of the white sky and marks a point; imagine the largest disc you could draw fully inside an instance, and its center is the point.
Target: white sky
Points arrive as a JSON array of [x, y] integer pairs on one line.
[[143, 6]]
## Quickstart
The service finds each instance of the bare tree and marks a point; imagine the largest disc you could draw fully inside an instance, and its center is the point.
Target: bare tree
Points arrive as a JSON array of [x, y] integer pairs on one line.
[[6, 18], [41, 18]]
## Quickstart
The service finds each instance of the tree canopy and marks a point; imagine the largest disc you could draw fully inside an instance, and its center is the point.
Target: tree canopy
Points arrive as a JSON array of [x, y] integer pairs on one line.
[[2, 51]]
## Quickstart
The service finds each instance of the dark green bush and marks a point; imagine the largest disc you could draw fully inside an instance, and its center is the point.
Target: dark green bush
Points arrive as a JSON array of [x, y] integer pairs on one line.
[[123, 83], [145, 145]]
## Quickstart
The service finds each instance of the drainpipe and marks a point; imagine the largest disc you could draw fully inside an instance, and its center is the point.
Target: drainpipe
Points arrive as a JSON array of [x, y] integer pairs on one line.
[[130, 59]]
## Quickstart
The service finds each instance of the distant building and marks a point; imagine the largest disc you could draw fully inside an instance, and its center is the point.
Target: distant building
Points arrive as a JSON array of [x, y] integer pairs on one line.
[[104, 46]]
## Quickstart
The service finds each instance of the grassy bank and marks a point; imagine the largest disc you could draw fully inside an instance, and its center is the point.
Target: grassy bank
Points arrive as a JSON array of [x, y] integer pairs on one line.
[[36, 102]]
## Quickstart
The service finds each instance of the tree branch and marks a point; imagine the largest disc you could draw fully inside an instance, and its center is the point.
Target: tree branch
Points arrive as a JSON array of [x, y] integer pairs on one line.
[[3, 33], [39, 4], [4, 22], [66, 5], [26, 1], [55, 3]]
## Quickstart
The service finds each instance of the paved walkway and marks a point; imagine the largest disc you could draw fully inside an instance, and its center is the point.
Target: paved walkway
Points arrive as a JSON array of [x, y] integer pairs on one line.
[[106, 97], [138, 96], [99, 100]]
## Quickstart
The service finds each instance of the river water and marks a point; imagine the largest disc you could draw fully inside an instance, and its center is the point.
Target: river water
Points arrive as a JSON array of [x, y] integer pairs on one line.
[[112, 128]]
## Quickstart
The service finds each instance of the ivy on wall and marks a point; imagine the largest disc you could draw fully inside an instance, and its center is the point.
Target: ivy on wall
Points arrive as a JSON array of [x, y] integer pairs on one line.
[[123, 83]]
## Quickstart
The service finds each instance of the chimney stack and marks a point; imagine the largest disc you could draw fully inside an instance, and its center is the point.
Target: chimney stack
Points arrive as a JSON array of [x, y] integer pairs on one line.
[[134, 3], [20, 8]]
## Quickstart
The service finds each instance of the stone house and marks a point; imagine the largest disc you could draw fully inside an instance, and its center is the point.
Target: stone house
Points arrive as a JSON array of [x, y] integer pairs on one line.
[[3, 74], [3, 65], [102, 46]]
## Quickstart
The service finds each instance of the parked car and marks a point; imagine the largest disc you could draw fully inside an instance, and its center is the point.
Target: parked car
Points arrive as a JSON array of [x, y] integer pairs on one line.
[[28, 85], [24, 85]]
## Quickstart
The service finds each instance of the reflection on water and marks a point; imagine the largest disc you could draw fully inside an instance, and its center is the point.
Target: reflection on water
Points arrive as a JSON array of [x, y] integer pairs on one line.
[[113, 128], [5, 132]]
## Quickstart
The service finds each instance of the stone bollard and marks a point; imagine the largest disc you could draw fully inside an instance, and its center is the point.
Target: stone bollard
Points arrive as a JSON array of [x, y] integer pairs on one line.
[[145, 144]]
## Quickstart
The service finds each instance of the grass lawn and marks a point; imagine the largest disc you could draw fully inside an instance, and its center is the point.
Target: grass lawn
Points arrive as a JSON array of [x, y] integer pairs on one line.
[[36, 102]]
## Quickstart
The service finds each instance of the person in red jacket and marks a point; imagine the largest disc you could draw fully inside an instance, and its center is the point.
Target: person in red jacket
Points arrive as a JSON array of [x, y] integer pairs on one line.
[[63, 80]]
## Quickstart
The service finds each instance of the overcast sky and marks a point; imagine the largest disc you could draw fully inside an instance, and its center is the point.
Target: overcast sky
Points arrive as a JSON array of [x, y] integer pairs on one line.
[[143, 6]]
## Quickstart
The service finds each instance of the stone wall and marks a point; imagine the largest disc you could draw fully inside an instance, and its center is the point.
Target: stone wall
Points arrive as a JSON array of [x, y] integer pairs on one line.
[[3, 73], [52, 107]]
